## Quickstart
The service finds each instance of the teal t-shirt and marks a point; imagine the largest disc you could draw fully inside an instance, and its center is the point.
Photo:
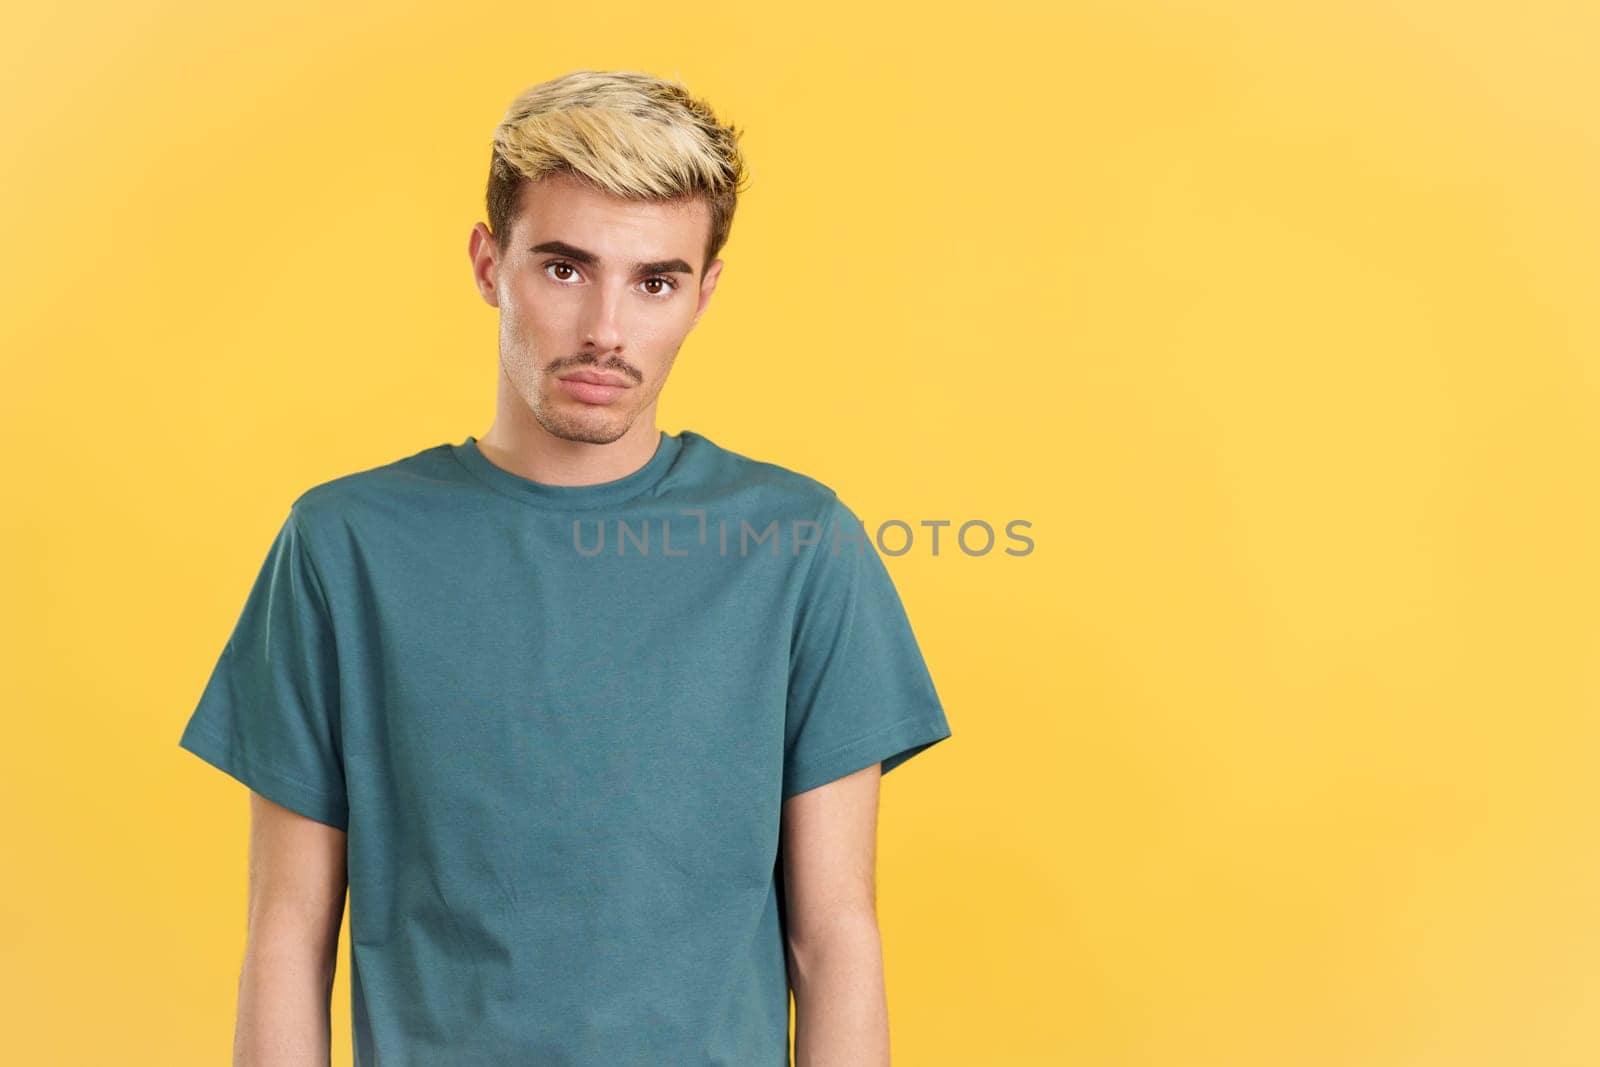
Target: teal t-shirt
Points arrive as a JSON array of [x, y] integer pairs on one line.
[[557, 724]]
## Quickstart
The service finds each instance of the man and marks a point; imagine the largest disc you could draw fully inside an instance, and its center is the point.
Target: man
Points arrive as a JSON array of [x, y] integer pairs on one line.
[[589, 718]]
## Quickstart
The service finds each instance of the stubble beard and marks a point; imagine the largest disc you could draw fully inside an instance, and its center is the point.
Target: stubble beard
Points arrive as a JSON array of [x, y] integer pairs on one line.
[[568, 420]]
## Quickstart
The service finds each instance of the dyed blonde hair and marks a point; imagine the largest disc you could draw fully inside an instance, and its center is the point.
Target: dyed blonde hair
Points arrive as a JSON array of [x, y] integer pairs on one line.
[[629, 134]]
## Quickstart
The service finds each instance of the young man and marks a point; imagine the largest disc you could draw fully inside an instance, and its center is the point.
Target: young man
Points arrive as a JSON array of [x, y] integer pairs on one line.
[[589, 718]]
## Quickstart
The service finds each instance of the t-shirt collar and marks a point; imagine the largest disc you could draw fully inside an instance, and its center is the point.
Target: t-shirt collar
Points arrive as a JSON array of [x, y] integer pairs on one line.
[[569, 497]]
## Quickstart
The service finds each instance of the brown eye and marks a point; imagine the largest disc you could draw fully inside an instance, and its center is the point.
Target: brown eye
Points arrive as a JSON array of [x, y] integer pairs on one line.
[[558, 266]]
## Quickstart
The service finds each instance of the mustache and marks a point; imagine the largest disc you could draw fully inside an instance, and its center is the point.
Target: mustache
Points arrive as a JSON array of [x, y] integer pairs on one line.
[[615, 363]]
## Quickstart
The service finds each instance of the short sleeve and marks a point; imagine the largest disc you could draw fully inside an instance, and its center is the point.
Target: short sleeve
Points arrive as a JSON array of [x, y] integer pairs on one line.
[[269, 715], [859, 689]]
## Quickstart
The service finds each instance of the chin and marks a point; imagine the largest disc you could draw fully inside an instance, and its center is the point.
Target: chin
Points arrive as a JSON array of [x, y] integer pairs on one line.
[[588, 423]]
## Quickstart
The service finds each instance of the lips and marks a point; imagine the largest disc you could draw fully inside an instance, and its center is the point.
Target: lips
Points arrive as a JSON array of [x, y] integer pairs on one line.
[[588, 387], [594, 378]]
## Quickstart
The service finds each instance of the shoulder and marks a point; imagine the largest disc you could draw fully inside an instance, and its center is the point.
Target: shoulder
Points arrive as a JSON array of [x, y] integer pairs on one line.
[[806, 511], [371, 493], [738, 473]]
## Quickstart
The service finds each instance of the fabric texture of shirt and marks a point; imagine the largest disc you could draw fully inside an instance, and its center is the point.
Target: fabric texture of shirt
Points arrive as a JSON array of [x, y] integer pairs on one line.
[[557, 724]]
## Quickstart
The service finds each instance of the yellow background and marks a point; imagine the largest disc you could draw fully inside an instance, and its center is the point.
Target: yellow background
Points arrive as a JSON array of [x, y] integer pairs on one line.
[[1277, 320]]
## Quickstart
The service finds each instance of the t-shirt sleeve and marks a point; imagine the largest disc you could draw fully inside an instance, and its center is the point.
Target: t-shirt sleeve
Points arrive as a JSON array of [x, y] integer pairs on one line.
[[859, 690], [269, 715]]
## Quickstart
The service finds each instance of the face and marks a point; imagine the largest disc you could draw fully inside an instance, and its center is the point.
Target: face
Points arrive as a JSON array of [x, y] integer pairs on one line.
[[593, 287]]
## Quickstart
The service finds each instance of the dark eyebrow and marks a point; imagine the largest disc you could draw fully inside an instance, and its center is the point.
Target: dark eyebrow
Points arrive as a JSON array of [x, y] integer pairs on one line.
[[589, 259]]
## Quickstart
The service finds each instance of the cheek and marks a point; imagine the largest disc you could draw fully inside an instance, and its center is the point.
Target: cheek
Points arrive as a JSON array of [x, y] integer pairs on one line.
[[540, 313], [665, 329]]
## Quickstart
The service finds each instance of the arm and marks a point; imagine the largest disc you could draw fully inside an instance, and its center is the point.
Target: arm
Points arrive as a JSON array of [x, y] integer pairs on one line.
[[297, 891], [834, 953]]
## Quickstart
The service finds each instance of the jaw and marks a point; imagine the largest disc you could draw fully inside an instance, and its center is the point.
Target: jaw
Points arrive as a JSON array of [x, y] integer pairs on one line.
[[571, 419]]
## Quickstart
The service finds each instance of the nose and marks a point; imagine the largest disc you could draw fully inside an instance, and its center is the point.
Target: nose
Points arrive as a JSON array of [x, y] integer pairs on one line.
[[602, 319]]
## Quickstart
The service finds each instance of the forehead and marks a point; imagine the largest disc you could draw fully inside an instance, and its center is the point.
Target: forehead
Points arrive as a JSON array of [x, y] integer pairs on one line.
[[560, 207]]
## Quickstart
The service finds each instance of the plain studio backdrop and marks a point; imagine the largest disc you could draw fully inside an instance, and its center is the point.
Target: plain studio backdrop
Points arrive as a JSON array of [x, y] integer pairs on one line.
[[1276, 322]]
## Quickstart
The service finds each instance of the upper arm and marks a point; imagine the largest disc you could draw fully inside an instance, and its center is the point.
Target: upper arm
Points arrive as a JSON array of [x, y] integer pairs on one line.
[[859, 689], [298, 879], [829, 856], [270, 714]]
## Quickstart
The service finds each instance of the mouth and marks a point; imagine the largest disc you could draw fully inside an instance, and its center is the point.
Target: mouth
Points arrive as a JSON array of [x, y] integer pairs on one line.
[[594, 378], [590, 387]]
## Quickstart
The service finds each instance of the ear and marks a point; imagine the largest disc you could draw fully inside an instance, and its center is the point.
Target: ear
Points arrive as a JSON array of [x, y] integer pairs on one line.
[[483, 251], [708, 285]]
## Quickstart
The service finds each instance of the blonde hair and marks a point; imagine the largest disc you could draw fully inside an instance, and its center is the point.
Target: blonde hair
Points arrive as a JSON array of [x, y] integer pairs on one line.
[[629, 134]]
